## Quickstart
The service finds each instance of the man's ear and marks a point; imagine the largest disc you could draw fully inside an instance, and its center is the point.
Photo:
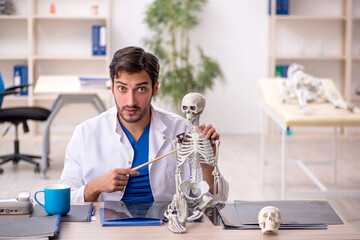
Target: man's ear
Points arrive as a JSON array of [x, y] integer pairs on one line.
[[112, 86], [156, 88]]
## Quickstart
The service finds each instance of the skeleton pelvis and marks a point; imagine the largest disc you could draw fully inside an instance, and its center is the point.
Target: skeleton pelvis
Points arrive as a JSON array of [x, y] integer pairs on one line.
[[191, 189]]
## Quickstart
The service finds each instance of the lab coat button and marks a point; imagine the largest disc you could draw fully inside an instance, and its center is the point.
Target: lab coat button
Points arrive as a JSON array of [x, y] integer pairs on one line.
[[164, 137], [129, 162]]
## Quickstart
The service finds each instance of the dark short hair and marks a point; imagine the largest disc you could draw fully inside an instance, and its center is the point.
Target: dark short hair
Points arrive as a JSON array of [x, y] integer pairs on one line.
[[134, 60]]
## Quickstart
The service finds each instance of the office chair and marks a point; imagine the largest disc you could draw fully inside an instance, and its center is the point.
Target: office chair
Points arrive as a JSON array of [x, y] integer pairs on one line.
[[16, 116]]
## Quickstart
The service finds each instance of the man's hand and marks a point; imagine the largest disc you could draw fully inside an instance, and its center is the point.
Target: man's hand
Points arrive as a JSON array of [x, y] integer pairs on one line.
[[112, 181], [210, 132]]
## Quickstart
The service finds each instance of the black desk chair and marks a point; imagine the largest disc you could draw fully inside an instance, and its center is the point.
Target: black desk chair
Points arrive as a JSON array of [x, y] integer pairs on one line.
[[15, 116]]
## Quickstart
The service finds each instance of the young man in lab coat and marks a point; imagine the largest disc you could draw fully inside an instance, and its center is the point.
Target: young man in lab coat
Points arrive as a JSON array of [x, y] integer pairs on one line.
[[102, 150]]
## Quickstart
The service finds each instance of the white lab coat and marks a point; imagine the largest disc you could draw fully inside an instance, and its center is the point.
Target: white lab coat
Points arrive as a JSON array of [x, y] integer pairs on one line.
[[99, 145]]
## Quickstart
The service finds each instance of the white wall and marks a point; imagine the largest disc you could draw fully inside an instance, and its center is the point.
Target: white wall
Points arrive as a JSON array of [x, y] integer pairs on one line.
[[235, 33]]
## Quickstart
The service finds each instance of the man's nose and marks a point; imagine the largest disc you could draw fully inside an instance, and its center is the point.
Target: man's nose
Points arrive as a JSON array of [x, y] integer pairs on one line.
[[131, 99]]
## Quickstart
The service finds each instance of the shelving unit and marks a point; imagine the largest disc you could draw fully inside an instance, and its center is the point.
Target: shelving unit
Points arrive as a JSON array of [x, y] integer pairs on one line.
[[58, 44], [322, 35]]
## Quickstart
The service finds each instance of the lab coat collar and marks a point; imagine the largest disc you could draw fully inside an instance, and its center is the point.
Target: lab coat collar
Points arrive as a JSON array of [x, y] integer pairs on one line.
[[157, 135], [118, 128]]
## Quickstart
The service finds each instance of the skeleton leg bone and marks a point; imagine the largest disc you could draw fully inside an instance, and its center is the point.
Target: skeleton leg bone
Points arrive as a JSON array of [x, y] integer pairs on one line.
[[177, 213], [198, 210]]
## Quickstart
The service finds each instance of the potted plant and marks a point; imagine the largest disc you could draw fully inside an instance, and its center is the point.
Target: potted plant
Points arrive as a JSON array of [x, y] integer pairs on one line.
[[182, 71]]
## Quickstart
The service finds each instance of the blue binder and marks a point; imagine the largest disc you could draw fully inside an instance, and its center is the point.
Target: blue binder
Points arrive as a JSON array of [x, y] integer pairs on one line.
[[99, 40], [282, 7], [21, 77]]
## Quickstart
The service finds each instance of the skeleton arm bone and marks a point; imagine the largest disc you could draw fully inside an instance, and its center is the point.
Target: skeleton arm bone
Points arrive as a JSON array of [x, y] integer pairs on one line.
[[283, 95], [335, 100], [301, 95]]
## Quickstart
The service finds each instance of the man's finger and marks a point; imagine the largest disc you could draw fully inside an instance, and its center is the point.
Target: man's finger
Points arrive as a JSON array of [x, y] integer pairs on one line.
[[210, 132], [122, 183], [215, 136], [206, 129], [201, 127], [127, 171], [133, 172], [123, 177]]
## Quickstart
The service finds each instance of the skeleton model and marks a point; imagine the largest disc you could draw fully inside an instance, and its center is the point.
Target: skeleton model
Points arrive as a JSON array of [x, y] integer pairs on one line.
[[196, 149], [269, 219], [307, 88]]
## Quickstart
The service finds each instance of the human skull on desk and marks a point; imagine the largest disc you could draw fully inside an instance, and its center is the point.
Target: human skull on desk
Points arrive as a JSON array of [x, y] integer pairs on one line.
[[269, 219]]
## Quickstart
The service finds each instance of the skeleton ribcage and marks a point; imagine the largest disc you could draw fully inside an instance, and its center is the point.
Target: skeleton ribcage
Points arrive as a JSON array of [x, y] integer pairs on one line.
[[196, 149]]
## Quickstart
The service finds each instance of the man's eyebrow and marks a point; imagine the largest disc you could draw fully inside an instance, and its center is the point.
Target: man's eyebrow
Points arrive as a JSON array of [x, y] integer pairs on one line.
[[139, 84], [117, 81], [142, 83]]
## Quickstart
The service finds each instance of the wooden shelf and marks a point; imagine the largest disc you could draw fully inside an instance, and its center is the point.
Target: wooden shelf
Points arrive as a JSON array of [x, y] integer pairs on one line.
[[13, 17], [294, 57], [306, 17], [13, 57], [69, 57], [39, 17]]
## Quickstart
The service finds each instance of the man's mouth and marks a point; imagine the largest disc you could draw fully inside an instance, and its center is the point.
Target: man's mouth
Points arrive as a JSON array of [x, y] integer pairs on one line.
[[131, 111]]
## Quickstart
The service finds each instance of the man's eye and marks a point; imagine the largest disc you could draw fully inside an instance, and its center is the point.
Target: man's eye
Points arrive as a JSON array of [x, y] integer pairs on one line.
[[121, 89], [141, 89]]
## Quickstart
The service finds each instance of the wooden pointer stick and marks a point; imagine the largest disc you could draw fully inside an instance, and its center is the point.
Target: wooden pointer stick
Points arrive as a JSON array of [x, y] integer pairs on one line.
[[143, 165]]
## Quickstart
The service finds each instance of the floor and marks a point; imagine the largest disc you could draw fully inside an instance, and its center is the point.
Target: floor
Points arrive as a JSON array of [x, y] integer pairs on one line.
[[239, 162]]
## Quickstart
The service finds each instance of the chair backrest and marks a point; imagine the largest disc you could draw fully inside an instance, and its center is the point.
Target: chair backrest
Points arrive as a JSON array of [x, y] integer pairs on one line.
[[2, 89]]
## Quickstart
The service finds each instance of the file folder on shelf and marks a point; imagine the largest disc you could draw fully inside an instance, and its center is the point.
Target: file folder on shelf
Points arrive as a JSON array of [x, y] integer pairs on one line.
[[21, 78], [99, 40]]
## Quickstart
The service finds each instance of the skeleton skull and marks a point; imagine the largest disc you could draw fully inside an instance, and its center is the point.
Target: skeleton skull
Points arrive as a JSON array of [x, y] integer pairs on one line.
[[269, 219], [193, 105], [293, 68]]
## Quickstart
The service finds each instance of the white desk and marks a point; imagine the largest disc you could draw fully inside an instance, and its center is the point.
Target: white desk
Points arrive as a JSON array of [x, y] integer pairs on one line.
[[69, 90], [198, 231]]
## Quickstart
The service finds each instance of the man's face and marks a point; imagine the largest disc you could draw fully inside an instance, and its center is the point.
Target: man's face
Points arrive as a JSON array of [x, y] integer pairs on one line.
[[133, 93]]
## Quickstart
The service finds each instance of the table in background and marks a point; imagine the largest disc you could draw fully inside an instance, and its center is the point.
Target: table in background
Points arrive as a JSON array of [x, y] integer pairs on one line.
[[69, 90], [205, 230], [289, 115]]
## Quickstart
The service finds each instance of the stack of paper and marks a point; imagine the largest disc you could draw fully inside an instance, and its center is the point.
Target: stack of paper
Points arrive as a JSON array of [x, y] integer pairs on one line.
[[294, 214], [95, 82]]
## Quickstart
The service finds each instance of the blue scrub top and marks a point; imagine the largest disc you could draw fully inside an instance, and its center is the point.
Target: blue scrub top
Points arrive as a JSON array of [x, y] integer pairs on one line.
[[138, 187]]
